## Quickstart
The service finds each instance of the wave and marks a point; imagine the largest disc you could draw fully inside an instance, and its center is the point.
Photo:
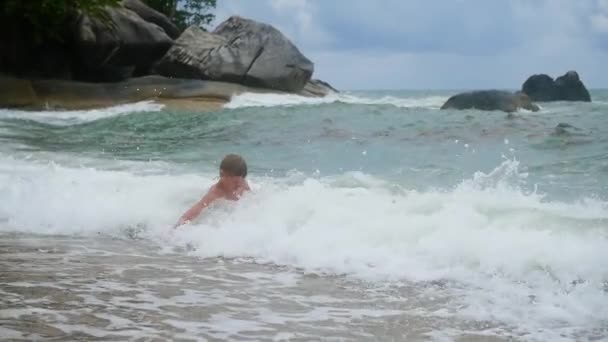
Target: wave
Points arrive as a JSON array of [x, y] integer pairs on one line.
[[271, 100], [71, 117], [511, 255]]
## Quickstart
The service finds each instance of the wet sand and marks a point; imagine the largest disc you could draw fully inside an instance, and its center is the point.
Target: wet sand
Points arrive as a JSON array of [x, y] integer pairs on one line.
[[102, 288]]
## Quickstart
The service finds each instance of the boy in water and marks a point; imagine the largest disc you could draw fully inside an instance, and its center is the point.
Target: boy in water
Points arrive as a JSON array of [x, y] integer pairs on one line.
[[231, 186]]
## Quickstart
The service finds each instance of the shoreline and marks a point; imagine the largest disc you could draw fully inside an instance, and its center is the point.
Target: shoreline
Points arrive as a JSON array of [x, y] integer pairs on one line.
[[176, 94]]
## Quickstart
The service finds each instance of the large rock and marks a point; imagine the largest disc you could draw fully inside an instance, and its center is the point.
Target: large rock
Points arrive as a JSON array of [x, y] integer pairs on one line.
[[15, 93], [317, 88], [87, 49], [111, 53], [490, 100], [195, 55], [239, 50], [62, 94], [568, 87], [150, 15], [24, 56]]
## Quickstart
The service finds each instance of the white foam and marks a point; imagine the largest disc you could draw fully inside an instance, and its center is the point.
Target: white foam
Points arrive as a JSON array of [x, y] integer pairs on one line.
[[10, 334], [520, 259], [272, 100], [504, 245], [70, 117], [53, 199]]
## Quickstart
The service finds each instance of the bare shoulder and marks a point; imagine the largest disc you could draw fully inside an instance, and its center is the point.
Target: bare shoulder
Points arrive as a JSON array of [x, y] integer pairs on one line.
[[213, 194]]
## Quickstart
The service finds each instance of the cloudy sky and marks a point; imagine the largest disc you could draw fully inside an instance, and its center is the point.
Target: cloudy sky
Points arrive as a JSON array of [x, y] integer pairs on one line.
[[439, 44]]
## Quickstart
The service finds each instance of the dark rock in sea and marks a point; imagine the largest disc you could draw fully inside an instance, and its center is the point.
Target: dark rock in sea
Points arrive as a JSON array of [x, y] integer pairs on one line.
[[239, 50], [106, 54], [490, 100], [565, 129], [567, 87]]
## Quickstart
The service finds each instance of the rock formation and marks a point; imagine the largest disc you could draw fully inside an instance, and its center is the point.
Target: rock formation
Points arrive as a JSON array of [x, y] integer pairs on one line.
[[490, 100]]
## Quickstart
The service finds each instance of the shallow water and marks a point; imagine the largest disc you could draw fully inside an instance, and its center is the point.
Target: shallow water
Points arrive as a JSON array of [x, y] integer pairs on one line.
[[83, 288], [373, 216]]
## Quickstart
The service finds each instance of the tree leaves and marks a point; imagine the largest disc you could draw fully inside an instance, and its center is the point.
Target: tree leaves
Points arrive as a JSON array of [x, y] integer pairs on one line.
[[184, 13], [47, 18]]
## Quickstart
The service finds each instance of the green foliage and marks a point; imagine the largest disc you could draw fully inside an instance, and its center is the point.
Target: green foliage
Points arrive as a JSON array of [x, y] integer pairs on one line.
[[47, 18], [184, 13]]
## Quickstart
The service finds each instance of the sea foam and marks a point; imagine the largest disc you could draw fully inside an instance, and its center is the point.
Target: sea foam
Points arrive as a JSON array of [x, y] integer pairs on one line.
[[509, 255], [272, 100], [71, 117]]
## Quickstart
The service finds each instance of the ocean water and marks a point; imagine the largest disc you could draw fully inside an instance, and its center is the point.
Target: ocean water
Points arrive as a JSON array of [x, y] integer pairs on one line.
[[373, 216]]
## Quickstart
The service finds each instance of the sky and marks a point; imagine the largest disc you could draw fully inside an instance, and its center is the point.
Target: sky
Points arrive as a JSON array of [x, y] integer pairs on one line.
[[439, 44]]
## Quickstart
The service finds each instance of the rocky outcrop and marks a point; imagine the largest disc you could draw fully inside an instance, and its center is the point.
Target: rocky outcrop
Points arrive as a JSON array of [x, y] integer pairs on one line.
[[190, 57], [239, 50], [16, 93], [490, 100], [87, 49], [50, 94], [95, 63], [22, 56], [567, 87], [317, 88], [112, 53], [152, 16]]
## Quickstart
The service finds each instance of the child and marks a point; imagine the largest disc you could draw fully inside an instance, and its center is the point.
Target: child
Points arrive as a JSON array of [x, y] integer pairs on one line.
[[231, 186]]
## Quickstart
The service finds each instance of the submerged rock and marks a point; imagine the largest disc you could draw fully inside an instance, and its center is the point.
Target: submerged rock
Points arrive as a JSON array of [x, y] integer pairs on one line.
[[239, 50], [490, 100], [566, 129], [567, 87]]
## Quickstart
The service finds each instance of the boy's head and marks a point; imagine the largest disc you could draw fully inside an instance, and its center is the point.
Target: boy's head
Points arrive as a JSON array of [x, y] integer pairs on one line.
[[233, 171], [233, 165]]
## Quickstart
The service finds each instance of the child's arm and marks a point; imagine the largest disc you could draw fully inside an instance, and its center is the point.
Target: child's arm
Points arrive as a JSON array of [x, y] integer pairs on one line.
[[196, 209]]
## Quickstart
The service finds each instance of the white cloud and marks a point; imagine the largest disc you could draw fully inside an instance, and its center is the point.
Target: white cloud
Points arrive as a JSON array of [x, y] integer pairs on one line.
[[451, 71], [600, 22], [455, 44], [304, 28]]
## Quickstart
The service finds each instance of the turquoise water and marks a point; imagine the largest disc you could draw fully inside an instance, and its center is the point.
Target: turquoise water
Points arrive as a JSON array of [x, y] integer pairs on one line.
[[378, 186], [407, 142]]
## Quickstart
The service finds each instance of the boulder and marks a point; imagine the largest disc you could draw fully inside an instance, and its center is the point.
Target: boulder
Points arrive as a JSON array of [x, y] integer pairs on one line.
[[111, 52], [317, 88], [62, 94], [195, 55], [82, 48], [567, 87], [242, 51], [15, 92], [152, 16], [22, 55], [490, 100]]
